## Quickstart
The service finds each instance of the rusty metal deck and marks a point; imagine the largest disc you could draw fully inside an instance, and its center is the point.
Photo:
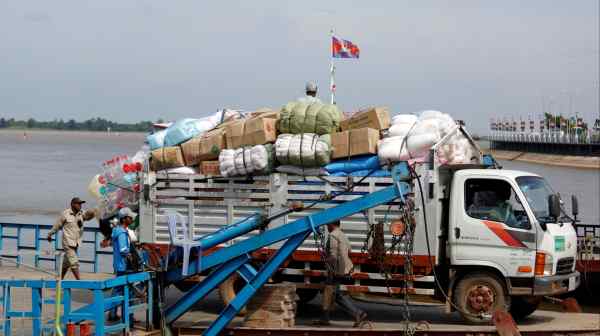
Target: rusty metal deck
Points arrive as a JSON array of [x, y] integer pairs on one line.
[[387, 321]]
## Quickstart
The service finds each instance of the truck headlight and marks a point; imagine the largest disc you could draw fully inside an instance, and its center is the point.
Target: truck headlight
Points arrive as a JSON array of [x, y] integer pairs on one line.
[[544, 263]]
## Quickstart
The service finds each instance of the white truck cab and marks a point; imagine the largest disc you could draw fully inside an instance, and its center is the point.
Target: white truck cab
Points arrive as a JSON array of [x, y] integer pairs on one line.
[[512, 246]]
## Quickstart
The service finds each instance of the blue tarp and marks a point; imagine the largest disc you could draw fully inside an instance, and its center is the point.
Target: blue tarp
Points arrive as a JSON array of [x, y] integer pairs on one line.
[[366, 162], [376, 173]]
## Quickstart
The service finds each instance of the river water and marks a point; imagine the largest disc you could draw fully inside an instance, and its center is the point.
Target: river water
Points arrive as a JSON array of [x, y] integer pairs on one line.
[[42, 171]]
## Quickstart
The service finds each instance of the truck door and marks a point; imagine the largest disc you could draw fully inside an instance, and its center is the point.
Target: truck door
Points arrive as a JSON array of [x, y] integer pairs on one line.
[[490, 226]]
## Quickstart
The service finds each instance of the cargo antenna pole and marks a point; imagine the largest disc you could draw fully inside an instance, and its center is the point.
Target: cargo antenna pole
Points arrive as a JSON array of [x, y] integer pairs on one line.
[[332, 72]]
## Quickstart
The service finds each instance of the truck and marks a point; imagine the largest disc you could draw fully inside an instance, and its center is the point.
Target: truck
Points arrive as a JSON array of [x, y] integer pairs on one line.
[[474, 236]]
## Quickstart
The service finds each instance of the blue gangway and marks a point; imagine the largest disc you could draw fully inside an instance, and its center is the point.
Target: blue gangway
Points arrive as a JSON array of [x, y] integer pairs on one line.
[[16, 244]]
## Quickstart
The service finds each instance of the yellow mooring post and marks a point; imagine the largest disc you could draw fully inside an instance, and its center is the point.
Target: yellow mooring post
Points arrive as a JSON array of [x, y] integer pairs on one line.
[[57, 300]]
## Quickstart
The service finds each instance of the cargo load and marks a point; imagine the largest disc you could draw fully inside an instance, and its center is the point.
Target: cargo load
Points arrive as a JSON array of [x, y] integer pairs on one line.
[[258, 160], [376, 117], [354, 142], [204, 147], [259, 130], [156, 140], [166, 157], [300, 117], [303, 150], [184, 129], [210, 168], [411, 138]]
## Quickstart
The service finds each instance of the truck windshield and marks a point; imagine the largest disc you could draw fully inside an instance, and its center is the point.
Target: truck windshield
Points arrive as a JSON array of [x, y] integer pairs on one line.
[[536, 191]]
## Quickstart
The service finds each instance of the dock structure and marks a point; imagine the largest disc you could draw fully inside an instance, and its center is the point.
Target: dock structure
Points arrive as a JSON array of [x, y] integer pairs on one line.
[[561, 136], [30, 293], [546, 147]]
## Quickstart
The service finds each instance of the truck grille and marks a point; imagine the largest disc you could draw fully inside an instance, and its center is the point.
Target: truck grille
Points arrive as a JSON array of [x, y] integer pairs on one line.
[[565, 265]]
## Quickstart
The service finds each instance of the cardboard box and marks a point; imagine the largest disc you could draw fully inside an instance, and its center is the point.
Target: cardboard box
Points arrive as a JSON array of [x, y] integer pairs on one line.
[[354, 142], [165, 158], [234, 132], [377, 118], [210, 168], [259, 131], [255, 131], [264, 113], [204, 147]]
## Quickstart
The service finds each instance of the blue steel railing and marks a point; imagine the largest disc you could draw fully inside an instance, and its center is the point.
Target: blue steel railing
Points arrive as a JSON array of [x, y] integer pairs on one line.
[[95, 311], [21, 235]]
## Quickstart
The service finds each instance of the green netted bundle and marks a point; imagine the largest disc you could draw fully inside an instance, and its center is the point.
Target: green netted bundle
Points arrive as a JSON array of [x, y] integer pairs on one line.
[[300, 117]]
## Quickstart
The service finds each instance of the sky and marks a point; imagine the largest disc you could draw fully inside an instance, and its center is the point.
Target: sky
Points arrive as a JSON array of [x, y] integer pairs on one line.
[[143, 60]]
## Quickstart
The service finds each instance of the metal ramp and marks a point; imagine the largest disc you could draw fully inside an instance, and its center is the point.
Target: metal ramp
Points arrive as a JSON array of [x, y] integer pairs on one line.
[[235, 257]]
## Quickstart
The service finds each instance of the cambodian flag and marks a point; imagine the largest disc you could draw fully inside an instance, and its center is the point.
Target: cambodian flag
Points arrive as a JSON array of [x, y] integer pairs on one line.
[[343, 48]]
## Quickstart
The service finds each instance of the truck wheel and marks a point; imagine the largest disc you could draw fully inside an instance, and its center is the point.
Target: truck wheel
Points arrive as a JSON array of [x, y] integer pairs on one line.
[[229, 289], [306, 295], [523, 306], [478, 295]]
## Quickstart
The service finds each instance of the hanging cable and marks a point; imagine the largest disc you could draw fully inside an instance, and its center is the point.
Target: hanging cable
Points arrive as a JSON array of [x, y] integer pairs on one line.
[[435, 276]]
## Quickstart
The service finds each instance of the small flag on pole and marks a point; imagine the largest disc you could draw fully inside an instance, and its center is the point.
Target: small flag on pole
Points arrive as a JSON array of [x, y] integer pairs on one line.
[[343, 48]]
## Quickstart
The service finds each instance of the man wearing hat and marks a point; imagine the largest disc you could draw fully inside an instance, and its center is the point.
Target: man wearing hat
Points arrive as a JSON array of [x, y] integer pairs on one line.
[[70, 222], [311, 94], [121, 241], [122, 253]]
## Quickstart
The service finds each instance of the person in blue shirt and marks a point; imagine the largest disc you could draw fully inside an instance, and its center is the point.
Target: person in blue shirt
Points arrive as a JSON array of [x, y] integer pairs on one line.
[[122, 249], [121, 242]]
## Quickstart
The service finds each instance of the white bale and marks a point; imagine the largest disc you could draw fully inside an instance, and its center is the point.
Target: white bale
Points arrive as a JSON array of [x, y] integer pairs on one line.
[[404, 119]]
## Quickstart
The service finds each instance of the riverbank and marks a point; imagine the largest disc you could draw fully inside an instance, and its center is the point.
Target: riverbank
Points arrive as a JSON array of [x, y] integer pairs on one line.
[[583, 162]]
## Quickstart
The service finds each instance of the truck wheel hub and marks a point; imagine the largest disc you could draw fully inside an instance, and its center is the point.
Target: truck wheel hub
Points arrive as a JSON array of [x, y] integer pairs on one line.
[[480, 298]]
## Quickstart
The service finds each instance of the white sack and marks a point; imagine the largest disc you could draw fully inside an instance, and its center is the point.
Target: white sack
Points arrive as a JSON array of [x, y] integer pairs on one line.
[[243, 161], [414, 140]]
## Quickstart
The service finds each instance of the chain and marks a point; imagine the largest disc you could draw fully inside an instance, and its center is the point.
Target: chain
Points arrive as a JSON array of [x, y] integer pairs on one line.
[[320, 245], [401, 246], [407, 248]]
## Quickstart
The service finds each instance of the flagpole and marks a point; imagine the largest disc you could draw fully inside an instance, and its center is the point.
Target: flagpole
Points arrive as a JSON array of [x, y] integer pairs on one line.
[[331, 70]]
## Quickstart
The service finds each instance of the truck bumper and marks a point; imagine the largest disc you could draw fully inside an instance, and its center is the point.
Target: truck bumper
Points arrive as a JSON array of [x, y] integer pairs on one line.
[[556, 284]]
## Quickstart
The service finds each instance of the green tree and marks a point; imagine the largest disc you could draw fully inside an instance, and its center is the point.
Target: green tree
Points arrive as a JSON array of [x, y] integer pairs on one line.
[[31, 123], [71, 124]]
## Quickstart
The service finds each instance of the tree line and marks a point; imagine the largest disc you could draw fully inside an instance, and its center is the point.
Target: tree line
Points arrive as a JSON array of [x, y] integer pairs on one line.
[[94, 124]]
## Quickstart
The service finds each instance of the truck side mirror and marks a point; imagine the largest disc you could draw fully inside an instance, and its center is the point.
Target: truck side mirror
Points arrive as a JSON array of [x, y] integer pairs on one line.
[[574, 206], [554, 206]]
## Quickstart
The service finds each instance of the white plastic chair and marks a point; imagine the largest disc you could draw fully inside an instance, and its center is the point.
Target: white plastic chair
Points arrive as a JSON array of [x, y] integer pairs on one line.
[[184, 240]]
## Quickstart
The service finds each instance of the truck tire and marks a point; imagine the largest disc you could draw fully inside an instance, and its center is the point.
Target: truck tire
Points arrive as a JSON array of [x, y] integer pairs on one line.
[[306, 295], [523, 306], [478, 295], [229, 289]]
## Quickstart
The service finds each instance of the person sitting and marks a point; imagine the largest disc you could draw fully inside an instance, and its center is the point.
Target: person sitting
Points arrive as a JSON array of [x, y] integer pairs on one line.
[[503, 211], [311, 94]]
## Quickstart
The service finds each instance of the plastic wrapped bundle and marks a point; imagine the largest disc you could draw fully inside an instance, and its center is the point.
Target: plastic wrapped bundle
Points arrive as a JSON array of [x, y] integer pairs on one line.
[[458, 150], [300, 117], [412, 137], [185, 129], [303, 150], [246, 160], [157, 139], [402, 124]]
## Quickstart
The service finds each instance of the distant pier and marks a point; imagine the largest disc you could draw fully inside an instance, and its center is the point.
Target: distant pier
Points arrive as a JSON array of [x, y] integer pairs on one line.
[[544, 143], [556, 135]]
